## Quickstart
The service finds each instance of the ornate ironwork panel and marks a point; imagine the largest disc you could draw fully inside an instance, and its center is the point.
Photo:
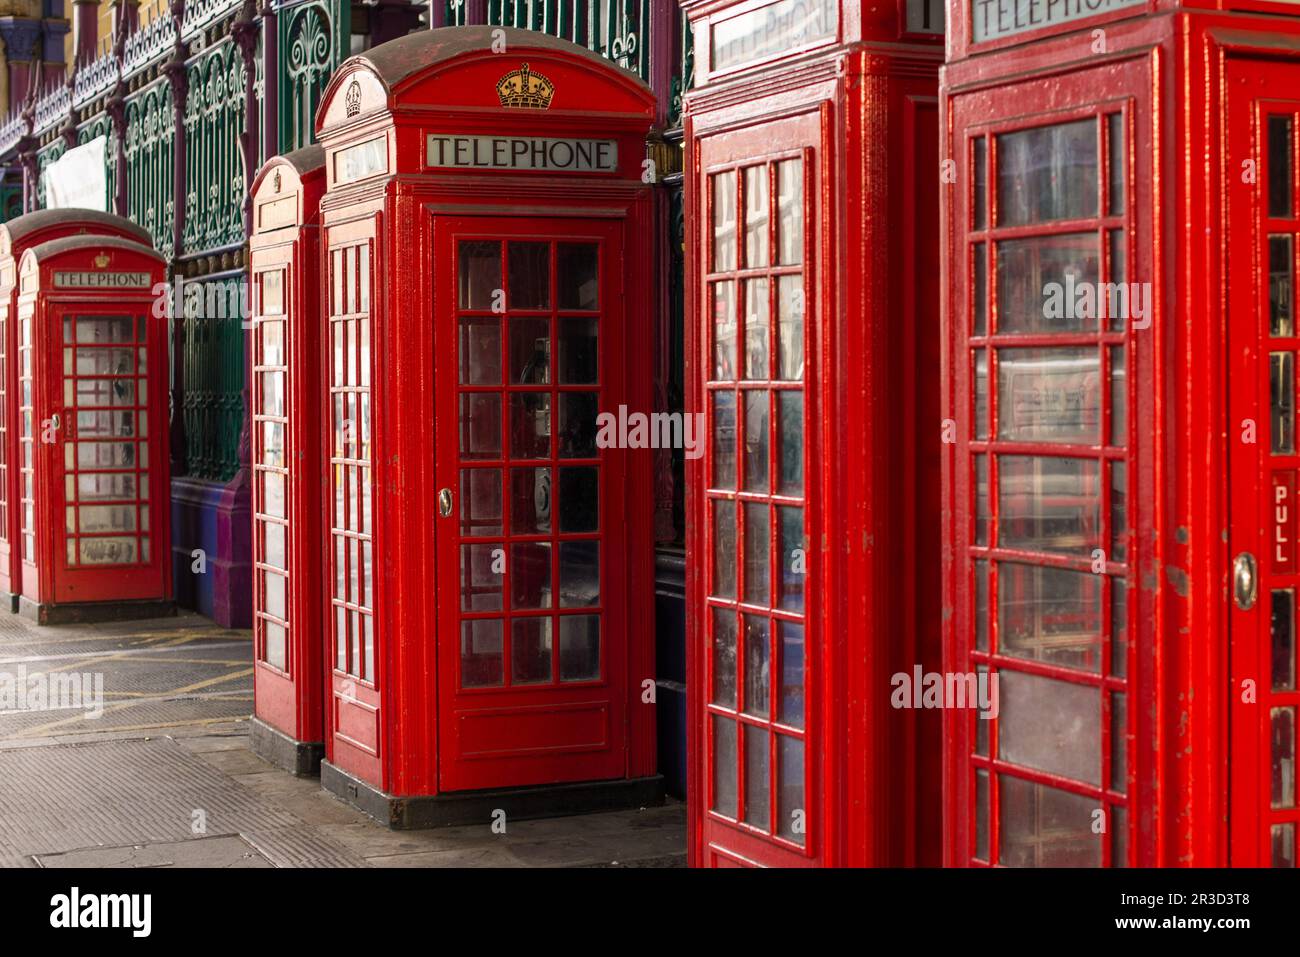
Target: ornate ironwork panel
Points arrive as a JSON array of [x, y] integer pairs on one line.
[[214, 164], [150, 139], [213, 377], [44, 157], [313, 41]]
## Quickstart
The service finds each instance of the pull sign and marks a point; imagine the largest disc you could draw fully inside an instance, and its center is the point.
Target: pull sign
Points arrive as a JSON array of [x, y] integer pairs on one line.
[[1283, 540]]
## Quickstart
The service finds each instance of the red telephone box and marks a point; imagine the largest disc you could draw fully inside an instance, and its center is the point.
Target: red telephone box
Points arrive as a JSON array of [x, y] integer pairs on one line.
[[486, 240], [16, 237], [1121, 242], [92, 431], [288, 449], [812, 143]]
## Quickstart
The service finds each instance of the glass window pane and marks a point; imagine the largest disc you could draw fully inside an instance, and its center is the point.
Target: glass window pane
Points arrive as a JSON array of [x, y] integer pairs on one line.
[[480, 425], [758, 656], [579, 499], [530, 651], [579, 647], [275, 643], [725, 764], [1281, 379], [530, 351], [530, 275], [530, 425], [789, 316], [1049, 284], [1282, 732], [979, 180], [724, 657], [1282, 638], [794, 559], [980, 290], [1118, 627], [724, 330], [1118, 743], [758, 552], [756, 216], [1049, 504], [981, 499], [757, 436], [1119, 275], [579, 573], [273, 545], [724, 549], [1050, 725], [981, 605], [1119, 533], [1283, 838], [758, 783], [1281, 174], [480, 274], [1047, 173], [577, 439], [724, 221], [757, 328], [789, 406], [791, 817], [724, 440], [1041, 826], [530, 501], [789, 187], [480, 501], [981, 394], [576, 275], [1281, 285], [1050, 614], [579, 355], [482, 570], [530, 575], [1118, 397], [1117, 144], [481, 655], [1049, 395], [790, 702]]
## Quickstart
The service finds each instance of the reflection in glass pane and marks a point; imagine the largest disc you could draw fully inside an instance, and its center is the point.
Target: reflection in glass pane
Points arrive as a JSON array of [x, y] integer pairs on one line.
[[724, 657], [1281, 381], [789, 188], [579, 573], [1117, 144], [530, 575], [1281, 153], [1051, 725], [480, 274], [579, 358], [530, 651], [756, 216], [1048, 284], [725, 766], [480, 502], [579, 647], [1118, 743], [1041, 826], [1281, 285], [1119, 533], [1049, 504], [791, 816], [1047, 173], [724, 221], [724, 440], [758, 783], [1049, 395], [1282, 638], [579, 499], [1282, 733], [480, 425], [530, 501], [789, 317], [482, 570], [530, 425], [480, 350], [530, 275], [758, 656], [981, 395], [979, 181], [982, 814], [724, 330], [530, 351], [1118, 397], [980, 292], [576, 275], [724, 548], [1283, 840], [756, 440], [758, 552], [577, 437], [1119, 274], [481, 653], [789, 406], [1050, 614], [791, 698], [982, 500], [757, 328], [794, 560]]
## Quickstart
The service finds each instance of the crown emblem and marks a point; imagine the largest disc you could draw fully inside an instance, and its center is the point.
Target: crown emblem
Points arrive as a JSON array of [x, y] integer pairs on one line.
[[101, 260], [275, 182], [525, 89], [353, 98]]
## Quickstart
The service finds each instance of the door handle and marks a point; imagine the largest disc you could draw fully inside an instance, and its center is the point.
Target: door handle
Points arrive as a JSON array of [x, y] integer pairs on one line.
[[444, 503], [1245, 583]]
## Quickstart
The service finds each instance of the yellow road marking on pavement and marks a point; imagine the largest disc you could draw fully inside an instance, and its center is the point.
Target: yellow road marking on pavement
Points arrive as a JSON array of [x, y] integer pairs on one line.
[[190, 723], [206, 683]]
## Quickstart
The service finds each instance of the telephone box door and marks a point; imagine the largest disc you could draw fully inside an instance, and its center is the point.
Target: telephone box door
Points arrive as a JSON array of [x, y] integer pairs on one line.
[[1264, 230], [532, 622], [108, 464]]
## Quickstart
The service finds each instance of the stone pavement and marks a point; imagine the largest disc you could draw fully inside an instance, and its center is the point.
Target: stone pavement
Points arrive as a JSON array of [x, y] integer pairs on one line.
[[161, 775]]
